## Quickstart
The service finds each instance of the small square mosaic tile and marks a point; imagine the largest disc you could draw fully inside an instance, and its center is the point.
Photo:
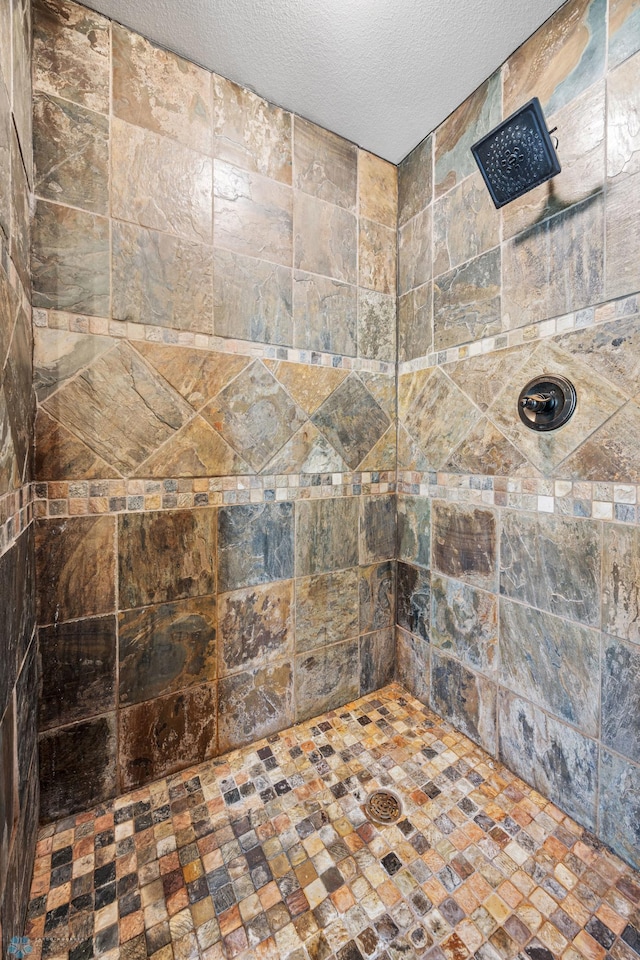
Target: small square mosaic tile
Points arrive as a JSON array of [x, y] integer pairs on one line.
[[267, 853]]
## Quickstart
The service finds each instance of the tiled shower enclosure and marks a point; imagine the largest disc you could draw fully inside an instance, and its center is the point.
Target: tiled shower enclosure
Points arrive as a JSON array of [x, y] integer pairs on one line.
[[267, 457]]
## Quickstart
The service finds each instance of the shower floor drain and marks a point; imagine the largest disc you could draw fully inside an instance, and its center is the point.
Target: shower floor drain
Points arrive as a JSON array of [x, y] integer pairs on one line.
[[383, 807]]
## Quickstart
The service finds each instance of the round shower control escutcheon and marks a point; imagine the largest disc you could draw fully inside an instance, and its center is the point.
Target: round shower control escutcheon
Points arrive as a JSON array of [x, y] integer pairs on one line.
[[547, 402]]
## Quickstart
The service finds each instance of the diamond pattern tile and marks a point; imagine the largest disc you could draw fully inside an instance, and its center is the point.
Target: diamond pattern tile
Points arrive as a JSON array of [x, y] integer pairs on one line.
[[266, 853]]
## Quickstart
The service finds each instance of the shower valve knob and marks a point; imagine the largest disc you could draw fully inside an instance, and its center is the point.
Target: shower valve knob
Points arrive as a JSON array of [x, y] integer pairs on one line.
[[547, 402]]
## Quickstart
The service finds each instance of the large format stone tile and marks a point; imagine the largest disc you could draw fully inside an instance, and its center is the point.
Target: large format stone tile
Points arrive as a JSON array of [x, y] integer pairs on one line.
[[308, 451], [412, 664], [77, 670], [161, 736], [168, 555], [464, 622], [376, 326], [464, 543], [554, 663], [620, 578], [196, 450], [254, 704], [252, 299], [611, 453], [466, 699], [326, 240], [72, 53], [555, 266], [161, 279], [612, 350], [249, 132], [555, 759], [22, 45], [326, 535], [197, 375], [326, 609], [351, 420], [471, 120], [564, 57], [552, 563], [621, 697], [465, 224], [255, 544], [255, 415], [6, 130], [70, 260], [148, 412], [624, 30], [414, 600], [598, 400], [324, 164], [326, 678], [377, 189], [156, 89], [59, 354], [255, 625], [77, 766], [437, 437], [383, 455], [324, 314], [71, 154], [483, 378], [76, 568], [377, 660], [622, 239], [415, 180], [377, 528], [252, 215], [415, 323], [415, 253], [466, 302], [160, 184], [376, 256], [165, 648], [10, 474], [414, 530], [377, 594], [581, 152], [17, 579], [20, 209], [486, 451], [623, 120], [619, 807], [18, 394]]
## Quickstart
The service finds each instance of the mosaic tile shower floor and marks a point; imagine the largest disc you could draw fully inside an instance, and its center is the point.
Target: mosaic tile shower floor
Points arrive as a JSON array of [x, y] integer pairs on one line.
[[265, 853]]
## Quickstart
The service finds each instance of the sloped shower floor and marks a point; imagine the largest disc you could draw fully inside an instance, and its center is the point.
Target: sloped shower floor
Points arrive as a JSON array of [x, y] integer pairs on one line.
[[266, 853]]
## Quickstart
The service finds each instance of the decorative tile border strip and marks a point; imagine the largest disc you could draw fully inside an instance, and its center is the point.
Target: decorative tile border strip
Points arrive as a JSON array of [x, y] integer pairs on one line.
[[619, 502], [123, 329], [16, 513], [580, 320], [84, 497]]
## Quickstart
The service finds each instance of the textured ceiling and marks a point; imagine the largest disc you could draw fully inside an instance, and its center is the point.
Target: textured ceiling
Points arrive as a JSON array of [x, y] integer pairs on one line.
[[382, 73]]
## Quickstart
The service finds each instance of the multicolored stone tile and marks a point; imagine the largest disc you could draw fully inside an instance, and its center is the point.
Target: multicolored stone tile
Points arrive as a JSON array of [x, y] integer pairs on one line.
[[70, 260], [480, 113], [71, 154], [249, 132], [254, 703], [325, 165], [166, 647], [255, 625], [71, 53], [351, 420], [619, 582], [160, 184], [376, 325], [415, 323], [466, 302], [558, 570], [465, 698], [415, 181], [464, 623], [162, 279], [158, 90], [377, 189], [620, 696], [252, 299], [326, 677], [376, 256], [564, 57], [326, 535], [464, 543], [326, 609], [325, 314], [325, 238], [624, 30], [255, 544]]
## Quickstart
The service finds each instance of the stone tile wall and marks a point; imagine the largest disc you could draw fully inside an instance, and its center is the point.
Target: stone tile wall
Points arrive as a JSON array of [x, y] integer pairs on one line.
[[518, 552], [18, 661], [214, 291]]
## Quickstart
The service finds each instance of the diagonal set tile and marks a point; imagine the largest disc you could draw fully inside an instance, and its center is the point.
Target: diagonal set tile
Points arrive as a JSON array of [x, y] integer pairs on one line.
[[255, 415], [351, 420], [439, 418]]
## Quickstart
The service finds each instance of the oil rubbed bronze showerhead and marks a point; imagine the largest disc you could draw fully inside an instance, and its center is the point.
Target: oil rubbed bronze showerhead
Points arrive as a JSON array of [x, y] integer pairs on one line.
[[517, 155]]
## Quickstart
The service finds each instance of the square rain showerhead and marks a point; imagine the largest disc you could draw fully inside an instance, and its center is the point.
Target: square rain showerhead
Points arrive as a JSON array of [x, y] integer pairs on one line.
[[517, 155]]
